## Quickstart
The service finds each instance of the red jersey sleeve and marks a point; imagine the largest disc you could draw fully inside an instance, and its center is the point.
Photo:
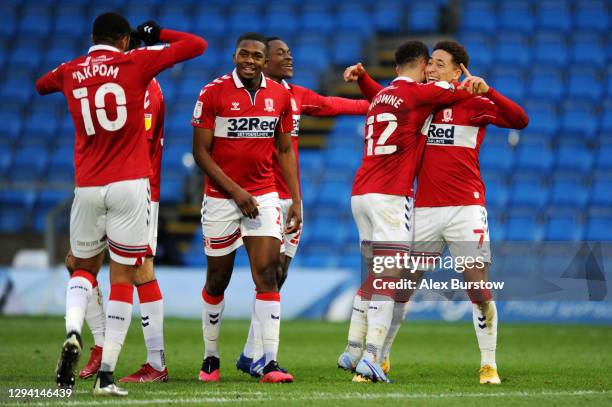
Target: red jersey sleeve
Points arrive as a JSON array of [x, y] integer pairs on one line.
[[180, 47], [500, 111], [285, 121], [440, 94], [369, 87], [51, 81], [205, 110], [314, 104]]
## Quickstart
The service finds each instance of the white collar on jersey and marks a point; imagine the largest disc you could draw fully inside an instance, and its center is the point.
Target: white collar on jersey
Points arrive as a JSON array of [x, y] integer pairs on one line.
[[403, 78], [102, 47], [239, 83], [285, 84]]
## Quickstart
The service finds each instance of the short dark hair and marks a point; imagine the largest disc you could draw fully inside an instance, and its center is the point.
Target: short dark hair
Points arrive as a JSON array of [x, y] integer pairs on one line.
[[110, 27], [457, 51], [252, 36], [410, 52]]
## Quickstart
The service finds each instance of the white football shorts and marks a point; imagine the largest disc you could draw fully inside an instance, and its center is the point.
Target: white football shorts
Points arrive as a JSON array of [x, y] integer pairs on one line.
[[224, 225]]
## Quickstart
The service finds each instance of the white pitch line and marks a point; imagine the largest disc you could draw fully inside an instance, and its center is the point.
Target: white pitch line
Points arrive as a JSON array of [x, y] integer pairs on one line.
[[239, 398]]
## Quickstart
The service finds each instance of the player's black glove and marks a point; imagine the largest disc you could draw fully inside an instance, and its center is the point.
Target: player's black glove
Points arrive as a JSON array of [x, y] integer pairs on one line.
[[149, 32]]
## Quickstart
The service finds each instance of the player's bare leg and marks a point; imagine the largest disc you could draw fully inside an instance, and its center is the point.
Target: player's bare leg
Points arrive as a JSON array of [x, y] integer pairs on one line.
[[218, 275], [78, 293], [118, 318], [152, 321], [264, 257], [484, 316], [94, 316]]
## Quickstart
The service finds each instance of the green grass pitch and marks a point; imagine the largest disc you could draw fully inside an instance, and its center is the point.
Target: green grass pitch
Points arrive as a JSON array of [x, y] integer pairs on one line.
[[433, 363]]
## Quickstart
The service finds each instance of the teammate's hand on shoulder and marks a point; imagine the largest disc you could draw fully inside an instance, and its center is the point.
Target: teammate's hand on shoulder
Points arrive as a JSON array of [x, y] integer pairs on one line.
[[148, 32], [246, 202], [353, 72], [294, 218]]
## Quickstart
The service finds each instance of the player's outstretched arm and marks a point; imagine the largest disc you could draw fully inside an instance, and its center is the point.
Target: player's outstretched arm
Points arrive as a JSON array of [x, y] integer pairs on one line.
[[202, 144], [503, 113], [314, 104], [288, 165]]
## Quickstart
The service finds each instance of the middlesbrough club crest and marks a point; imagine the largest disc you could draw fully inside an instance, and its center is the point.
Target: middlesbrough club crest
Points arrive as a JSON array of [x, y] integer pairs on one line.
[[447, 115], [269, 102]]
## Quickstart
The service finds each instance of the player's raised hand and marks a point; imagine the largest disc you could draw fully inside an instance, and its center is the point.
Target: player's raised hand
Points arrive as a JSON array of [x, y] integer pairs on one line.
[[294, 218], [148, 32], [353, 72], [247, 203], [473, 84]]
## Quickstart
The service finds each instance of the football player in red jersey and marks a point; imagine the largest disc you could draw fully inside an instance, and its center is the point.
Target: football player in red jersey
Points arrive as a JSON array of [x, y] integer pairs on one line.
[[241, 120], [383, 192], [105, 91], [279, 68], [149, 293], [450, 200]]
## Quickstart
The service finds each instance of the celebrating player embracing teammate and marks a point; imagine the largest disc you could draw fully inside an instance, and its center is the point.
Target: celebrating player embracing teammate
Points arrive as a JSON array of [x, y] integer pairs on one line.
[[303, 101], [105, 91], [450, 201]]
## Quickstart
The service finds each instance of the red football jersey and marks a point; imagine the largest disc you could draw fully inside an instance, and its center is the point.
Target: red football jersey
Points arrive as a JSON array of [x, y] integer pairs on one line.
[[450, 171], [244, 126], [310, 103], [155, 110], [396, 129], [105, 91]]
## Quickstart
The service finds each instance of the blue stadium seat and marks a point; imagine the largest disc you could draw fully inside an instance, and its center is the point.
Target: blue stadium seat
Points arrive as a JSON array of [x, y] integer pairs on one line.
[[70, 20], [479, 17], [355, 20], [315, 55], [239, 20], [478, 46], [317, 21], [387, 16], [516, 16], [592, 15], [171, 188], [579, 118], [16, 205], [534, 157], [281, 23], [528, 194], [35, 20], [11, 124], [550, 48], [598, 228], [328, 232], [571, 193], [17, 89], [334, 194], [210, 22], [604, 158], [554, 15], [543, 118], [523, 227], [496, 194], [423, 17], [584, 84], [47, 199], [546, 84], [8, 19], [588, 50], [28, 164], [509, 82], [601, 193], [563, 228], [493, 157], [574, 158], [512, 49]]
